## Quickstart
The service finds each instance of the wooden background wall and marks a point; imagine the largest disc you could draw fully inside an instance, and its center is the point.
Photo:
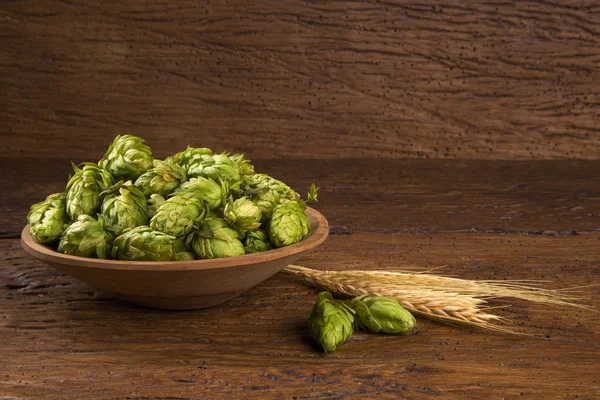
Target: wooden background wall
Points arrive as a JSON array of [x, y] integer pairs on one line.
[[308, 79]]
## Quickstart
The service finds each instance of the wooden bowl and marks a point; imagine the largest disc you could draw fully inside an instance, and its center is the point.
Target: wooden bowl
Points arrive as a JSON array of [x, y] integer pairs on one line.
[[180, 285]]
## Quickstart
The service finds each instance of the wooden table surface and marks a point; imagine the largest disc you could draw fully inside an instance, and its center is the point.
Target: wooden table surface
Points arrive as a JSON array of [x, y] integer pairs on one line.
[[483, 219], [338, 93]]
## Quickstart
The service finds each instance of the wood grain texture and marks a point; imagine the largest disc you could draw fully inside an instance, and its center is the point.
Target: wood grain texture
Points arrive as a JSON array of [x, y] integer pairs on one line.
[[311, 79], [62, 339], [418, 196]]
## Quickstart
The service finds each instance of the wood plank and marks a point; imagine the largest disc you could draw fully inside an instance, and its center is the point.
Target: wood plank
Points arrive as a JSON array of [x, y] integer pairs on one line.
[[64, 339], [323, 79], [382, 195]]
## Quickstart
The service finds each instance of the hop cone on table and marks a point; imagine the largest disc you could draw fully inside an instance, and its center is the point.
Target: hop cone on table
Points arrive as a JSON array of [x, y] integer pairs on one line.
[[84, 188], [242, 214], [152, 203], [145, 244], [381, 314], [268, 192], [127, 157], [48, 219], [214, 239], [256, 242], [177, 215], [163, 178], [124, 207], [205, 189], [330, 323], [86, 237]]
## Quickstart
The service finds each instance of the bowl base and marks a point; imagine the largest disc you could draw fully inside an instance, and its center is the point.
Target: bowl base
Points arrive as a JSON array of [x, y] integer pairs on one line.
[[178, 303]]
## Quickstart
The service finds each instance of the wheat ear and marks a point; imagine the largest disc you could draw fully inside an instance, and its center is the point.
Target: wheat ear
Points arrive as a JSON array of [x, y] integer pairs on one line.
[[444, 299]]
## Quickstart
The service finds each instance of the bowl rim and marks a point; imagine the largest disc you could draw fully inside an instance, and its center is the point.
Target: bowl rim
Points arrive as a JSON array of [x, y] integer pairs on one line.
[[44, 253]]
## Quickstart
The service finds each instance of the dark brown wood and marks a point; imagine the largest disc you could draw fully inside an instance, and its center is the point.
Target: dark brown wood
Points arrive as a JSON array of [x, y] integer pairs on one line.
[[421, 196], [320, 79], [63, 339], [336, 93]]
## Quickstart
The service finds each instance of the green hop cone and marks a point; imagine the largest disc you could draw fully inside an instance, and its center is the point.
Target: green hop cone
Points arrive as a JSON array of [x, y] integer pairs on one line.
[[47, 219], [289, 224], [84, 188], [186, 157], [124, 206], [163, 178], [86, 237], [268, 192], [177, 215], [205, 189], [212, 238], [330, 323], [127, 157], [256, 242], [153, 202], [145, 244], [244, 165], [218, 167], [381, 315], [242, 214]]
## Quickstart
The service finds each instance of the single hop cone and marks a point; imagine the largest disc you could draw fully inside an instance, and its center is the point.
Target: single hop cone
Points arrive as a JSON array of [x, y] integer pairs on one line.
[[381, 314], [163, 178], [84, 189], [127, 158], [242, 215], [124, 207], [330, 323], [177, 215], [244, 165], [256, 242], [86, 237], [145, 244], [186, 157], [48, 219], [289, 224], [268, 193], [213, 238], [218, 167], [205, 189]]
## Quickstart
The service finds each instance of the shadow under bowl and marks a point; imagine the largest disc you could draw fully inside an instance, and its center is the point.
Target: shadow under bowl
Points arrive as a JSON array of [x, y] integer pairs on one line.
[[180, 285]]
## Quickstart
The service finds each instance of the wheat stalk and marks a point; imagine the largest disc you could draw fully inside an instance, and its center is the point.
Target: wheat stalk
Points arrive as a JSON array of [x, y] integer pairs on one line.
[[444, 299]]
